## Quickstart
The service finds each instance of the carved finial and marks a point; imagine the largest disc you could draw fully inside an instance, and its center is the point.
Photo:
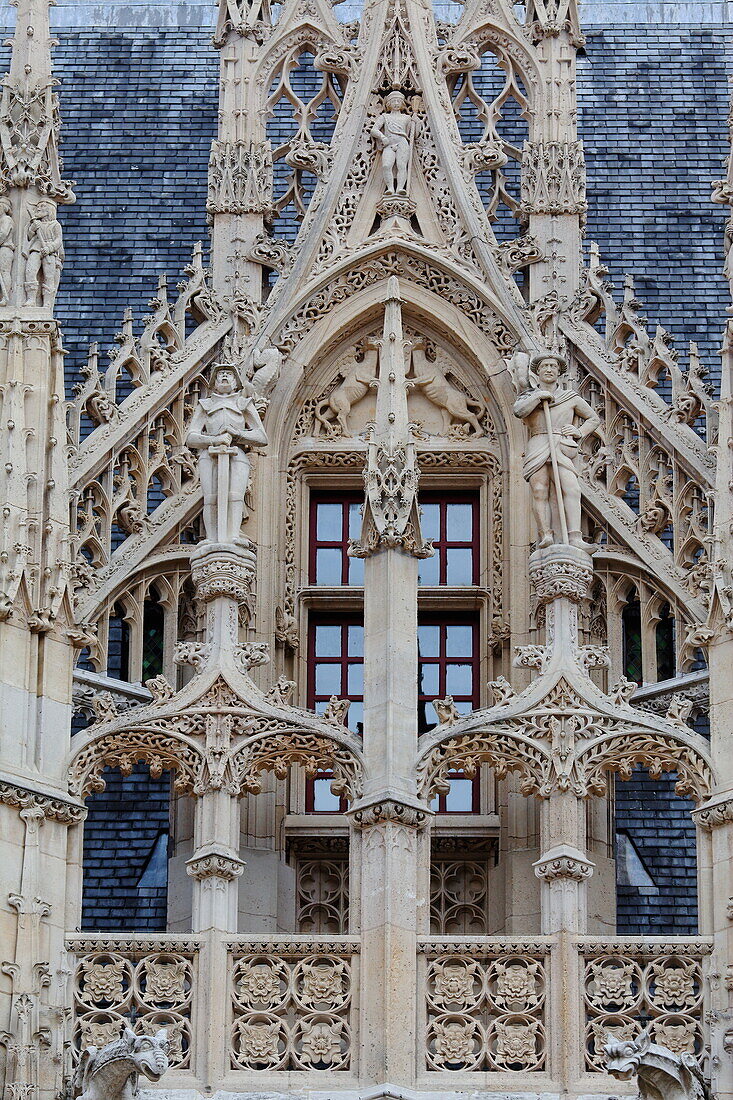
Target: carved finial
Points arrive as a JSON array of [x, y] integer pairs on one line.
[[391, 514]]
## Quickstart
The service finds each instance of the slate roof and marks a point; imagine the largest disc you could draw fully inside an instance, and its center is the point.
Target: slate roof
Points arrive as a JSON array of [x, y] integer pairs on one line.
[[139, 113]]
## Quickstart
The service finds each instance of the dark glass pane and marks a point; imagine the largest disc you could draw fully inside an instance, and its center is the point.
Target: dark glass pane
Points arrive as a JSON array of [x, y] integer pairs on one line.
[[426, 717], [459, 641], [328, 679], [666, 664], [459, 568], [328, 641], [152, 664], [329, 519], [459, 522], [631, 624], [328, 566]]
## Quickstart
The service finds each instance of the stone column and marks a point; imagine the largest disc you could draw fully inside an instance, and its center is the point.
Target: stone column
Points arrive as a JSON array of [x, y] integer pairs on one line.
[[393, 883], [553, 167], [561, 576]]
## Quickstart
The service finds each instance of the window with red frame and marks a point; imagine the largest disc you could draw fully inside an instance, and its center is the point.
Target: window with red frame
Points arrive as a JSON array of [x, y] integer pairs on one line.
[[451, 520], [335, 667], [448, 664], [334, 519]]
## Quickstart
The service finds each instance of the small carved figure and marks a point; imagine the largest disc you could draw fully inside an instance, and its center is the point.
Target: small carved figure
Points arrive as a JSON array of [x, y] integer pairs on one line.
[[661, 1075], [7, 250], [112, 1072], [552, 416], [44, 254], [224, 427], [394, 132], [453, 405], [334, 412]]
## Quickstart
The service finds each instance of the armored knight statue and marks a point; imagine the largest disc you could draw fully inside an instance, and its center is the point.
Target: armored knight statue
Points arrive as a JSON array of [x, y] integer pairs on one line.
[[224, 428], [112, 1072], [394, 132], [558, 420]]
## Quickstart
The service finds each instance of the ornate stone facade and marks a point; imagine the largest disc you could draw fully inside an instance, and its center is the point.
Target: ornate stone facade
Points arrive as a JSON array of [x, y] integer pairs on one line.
[[367, 540]]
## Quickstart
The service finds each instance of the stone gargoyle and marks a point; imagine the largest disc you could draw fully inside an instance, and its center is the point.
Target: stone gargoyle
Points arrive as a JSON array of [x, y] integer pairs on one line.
[[661, 1074], [112, 1072]]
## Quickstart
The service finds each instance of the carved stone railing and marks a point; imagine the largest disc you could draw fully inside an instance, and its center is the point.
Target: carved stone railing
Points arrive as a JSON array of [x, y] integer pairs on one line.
[[293, 1004], [630, 983], [484, 1004], [151, 980]]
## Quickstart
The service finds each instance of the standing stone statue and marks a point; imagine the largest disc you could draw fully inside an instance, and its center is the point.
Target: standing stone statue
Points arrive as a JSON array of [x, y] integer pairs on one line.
[[44, 254], [394, 132], [557, 420], [7, 249], [224, 428]]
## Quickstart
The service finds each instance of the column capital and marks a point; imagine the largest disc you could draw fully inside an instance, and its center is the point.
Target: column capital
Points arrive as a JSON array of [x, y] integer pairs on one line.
[[561, 571], [564, 862], [215, 863], [715, 812], [377, 811]]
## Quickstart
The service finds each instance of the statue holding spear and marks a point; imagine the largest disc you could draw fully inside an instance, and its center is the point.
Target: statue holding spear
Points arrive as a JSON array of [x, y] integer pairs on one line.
[[557, 420]]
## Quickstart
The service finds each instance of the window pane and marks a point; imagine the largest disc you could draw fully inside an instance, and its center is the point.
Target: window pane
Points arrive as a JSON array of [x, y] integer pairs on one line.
[[430, 569], [355, 519], [428, 641], [459, 641], [429, 681], [459, 566], [356, 571], [328, 680], [329, 519], [458, 680], [328, 566], [356, 641], [426, 717], [459, 522], [323, 800], [328, 641], [430, 521], [355, 720], [355, 680], [460, 796], [463, 706]]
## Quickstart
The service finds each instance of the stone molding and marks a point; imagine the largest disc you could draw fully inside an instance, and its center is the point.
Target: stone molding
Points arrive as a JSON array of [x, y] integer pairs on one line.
[[215, 865], [714, 813], [564, 862], [392, 810], [311, 946], [560, 571], [51, 807], [223, 571]]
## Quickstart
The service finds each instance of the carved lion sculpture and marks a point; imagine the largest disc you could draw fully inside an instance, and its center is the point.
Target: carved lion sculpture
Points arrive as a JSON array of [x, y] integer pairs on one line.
[[661, 1074], [112, 1072]]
